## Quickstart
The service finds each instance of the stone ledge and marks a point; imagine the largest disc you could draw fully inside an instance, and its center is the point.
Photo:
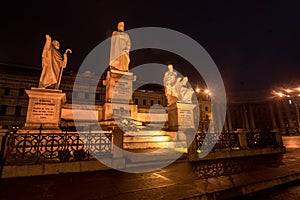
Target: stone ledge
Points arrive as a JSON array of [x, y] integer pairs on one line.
[[51, 168]]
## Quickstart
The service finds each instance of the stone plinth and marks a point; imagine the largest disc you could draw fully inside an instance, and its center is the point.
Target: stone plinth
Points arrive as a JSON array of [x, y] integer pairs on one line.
[[44, 107], [112, 110], [181, 116], [119, 95], [119, 86]]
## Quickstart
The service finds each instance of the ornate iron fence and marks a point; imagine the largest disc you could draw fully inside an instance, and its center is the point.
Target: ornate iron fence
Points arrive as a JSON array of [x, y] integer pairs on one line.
[[215, 168], [261, 139], [225, 141], [39, 148], [231, 141]]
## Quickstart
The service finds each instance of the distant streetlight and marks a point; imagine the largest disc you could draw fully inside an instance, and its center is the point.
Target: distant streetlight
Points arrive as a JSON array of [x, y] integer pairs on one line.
[[292, 95]]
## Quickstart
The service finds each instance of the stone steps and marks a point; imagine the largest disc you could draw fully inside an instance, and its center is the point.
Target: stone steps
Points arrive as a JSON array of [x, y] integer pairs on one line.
[[149, 139], [152, 155]]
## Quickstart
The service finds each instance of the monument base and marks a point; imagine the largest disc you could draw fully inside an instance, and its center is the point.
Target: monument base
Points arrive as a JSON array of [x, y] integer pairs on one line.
[[181, 116], [118, 86], [119, 110], [34, 130], [44, 109]]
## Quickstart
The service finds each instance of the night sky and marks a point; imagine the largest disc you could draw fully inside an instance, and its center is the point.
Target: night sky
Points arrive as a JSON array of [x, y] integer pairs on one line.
[[255, 44]]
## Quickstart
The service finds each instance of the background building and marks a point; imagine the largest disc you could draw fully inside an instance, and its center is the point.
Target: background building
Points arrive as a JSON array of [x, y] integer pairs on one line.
[[247, 110]]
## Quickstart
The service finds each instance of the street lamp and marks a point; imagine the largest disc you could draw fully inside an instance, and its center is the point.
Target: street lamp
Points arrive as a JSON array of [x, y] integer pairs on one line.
[[292, 94]]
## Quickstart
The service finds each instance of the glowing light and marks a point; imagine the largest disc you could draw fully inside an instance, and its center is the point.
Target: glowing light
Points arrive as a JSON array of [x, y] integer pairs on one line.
[[280, 94], [197, 90], [206, 91], [288, 90]]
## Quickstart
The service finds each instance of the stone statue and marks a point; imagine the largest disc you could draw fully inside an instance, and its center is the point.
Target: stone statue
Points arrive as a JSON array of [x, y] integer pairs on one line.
[[110, 84], [184, 93], [119, 50], [52, 64], [169, 83]]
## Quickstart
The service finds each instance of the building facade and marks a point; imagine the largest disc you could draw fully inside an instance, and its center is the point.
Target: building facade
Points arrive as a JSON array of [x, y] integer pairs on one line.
[[251, 110]]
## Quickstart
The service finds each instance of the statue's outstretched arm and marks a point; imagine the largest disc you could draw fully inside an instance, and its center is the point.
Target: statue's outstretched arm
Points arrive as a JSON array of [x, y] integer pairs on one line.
[[47, 46]]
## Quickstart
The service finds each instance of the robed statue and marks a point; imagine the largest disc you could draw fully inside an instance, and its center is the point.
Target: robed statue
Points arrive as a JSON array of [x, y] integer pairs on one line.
[[176, 89], [119, 50], [53, 64], [184, 93], [169, 83]]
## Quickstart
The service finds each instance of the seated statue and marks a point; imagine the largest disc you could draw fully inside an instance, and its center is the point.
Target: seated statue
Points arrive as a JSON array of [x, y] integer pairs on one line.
[[177, 89], [184, 93]]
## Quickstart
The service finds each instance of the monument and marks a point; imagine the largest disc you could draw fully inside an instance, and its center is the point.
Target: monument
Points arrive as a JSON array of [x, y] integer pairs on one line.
[[119, 50], [44, 106], [118, 79], [170, 83], [179, 95]]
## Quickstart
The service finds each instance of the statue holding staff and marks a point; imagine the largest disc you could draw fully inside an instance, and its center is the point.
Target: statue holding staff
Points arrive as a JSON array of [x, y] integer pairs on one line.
[[52, 64]]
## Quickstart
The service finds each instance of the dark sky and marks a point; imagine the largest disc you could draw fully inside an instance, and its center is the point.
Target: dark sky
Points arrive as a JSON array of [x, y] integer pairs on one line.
[[255, 44]]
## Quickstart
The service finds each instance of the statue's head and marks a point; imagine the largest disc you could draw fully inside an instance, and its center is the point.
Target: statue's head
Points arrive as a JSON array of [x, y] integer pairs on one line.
[[56, 44], [170, 67], [121, 26], [185, 80]]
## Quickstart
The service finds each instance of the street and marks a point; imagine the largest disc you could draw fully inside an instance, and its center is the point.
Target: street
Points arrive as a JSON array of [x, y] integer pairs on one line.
[[284, 192]]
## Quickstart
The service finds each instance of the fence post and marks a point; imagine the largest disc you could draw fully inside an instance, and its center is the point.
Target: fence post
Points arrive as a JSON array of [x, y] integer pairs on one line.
[[191, 141], [3, 149], [278, 137], [242, 138], [118, 157]]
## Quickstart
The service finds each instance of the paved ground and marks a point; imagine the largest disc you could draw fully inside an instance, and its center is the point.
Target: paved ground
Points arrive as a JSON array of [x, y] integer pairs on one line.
[[177, 181]]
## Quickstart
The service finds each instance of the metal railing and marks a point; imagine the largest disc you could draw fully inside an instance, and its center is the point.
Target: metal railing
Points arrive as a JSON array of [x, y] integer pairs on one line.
[[40, 148], [232, 140], [225, 141], [261, 139]]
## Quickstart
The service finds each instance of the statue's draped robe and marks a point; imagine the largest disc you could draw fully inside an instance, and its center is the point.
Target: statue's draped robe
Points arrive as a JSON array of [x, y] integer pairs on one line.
[[51, 65], [119, 51], [169, 82]]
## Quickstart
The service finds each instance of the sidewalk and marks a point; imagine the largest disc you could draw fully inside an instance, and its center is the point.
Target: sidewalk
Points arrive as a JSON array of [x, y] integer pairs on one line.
[[177, 181]]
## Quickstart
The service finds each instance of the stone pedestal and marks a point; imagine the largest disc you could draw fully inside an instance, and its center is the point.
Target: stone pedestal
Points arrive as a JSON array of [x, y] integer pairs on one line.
[[181, 116], [119, 86], [44, 107], [111, 110], [118, 94]]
